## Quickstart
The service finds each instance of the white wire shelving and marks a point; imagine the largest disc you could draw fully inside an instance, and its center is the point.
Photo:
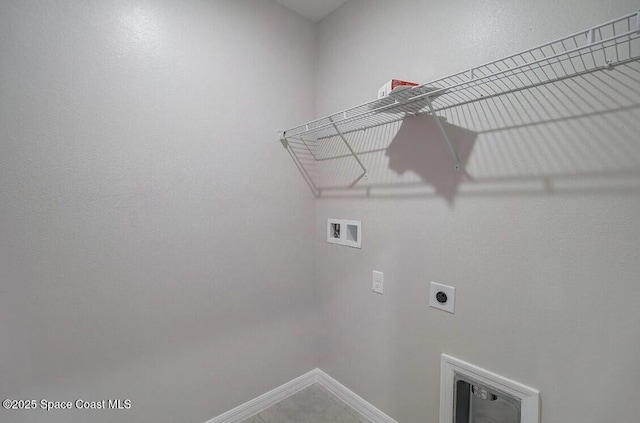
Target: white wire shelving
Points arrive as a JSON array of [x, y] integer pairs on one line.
[[600, 48]]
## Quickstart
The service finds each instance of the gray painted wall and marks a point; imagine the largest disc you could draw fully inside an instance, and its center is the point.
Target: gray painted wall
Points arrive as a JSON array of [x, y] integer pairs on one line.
[[543, 247], [156, 243]]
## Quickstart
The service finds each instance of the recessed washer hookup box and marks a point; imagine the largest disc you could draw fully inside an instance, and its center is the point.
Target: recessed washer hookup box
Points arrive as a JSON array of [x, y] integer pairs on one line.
[[392, 85]]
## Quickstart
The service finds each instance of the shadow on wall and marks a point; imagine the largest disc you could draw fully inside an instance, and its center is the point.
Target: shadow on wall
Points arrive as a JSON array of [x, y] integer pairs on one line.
[[570, 137], [420, 147]]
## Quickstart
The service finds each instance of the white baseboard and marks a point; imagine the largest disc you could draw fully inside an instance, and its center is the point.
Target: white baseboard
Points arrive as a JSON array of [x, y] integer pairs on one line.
[[352, 399], [255, 406]]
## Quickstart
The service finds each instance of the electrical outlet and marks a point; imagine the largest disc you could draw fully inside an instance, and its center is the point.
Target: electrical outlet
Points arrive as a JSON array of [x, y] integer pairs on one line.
[[442, 297], [378, 282]]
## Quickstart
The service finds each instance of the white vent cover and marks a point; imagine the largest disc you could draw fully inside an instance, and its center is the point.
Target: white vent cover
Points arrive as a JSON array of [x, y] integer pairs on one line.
[[451, 367]]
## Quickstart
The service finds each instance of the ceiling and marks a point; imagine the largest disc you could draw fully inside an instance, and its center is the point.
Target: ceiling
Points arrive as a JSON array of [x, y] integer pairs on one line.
[[312, 9]]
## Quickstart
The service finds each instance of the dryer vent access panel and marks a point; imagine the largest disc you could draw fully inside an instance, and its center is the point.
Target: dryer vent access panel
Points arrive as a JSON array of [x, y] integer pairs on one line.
[[470, 394]]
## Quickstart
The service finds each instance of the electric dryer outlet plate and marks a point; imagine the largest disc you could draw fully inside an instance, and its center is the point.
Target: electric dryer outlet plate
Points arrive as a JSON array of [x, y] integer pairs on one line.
[[442, 297]]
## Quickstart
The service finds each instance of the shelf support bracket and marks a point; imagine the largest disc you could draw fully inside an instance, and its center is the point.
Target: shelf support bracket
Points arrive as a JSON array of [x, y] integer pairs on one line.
[[355, 156], [283, 139], [307, 178], [456, 162]]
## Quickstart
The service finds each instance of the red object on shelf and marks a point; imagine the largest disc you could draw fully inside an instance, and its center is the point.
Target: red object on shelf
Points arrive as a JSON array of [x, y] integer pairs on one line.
[[388, 88]]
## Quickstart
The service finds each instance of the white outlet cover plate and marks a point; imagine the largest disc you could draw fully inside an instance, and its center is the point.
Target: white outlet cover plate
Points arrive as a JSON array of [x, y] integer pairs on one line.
[[378, 282], [450, 305]]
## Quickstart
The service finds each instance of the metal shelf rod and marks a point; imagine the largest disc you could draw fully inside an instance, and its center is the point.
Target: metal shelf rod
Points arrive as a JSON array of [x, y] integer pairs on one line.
[[601, 47], [462, 84], [487, 97]]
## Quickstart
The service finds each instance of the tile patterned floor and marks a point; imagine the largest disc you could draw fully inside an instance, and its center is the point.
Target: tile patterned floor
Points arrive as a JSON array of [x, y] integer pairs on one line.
[[311, 405]]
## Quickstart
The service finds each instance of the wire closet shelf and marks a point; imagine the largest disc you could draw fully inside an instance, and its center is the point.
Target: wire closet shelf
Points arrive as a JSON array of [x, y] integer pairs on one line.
[[599, 48]]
